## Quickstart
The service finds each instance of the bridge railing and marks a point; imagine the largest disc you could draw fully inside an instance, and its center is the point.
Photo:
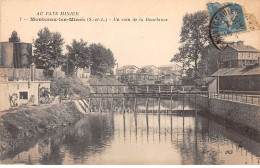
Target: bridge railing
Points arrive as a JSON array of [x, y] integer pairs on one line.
[[136, 88], [244, 98]]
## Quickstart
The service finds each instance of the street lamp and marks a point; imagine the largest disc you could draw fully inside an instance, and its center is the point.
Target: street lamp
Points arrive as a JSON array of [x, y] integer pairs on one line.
[[218, 66]]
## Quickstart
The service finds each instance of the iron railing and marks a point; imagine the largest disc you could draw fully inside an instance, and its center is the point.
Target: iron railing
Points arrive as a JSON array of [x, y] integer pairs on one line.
[[244, 98]]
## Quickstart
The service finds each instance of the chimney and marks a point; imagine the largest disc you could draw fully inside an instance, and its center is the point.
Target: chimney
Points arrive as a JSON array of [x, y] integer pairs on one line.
[[240, 43]]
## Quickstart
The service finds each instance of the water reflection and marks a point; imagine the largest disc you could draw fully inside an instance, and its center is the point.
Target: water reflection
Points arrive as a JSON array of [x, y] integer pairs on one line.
[[107, 138]]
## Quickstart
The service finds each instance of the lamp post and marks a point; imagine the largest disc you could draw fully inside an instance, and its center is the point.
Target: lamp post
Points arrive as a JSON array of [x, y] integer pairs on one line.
[[218, 66]]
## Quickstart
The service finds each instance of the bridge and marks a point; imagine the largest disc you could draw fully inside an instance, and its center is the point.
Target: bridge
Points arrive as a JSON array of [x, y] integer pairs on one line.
[[124, 92]]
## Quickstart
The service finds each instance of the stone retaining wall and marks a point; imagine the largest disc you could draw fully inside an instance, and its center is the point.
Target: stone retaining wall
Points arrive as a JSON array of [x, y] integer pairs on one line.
[[201, 100], [242, 113]]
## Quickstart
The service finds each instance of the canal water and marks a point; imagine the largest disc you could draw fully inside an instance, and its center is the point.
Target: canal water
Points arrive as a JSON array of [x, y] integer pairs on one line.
[[128, 138]]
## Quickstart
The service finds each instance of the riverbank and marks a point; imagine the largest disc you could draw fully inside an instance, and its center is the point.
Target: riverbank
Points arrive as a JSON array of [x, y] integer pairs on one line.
[[18, 127], [244, 116]]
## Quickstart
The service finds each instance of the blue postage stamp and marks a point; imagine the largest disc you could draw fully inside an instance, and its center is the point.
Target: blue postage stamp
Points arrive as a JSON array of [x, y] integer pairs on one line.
[[226, 19]]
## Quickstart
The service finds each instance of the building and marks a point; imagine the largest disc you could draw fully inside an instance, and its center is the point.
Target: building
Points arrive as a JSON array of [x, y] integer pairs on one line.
[[246, 78], [148, 73], [170, 73], [128, 69], [209, 84], [83, 72], [236, 54], [20, 81], [15, 53], [127, 73], [27, 92]]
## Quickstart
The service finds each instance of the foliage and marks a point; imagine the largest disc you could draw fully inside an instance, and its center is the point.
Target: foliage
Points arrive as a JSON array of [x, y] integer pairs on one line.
[[48, 49], [208, 63], [78, 56], [194, 40], [102, 59]]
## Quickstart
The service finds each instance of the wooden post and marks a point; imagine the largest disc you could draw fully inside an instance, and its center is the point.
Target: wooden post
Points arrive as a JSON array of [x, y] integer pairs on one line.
[[196, 104], [153, 105], [112, 103], [177, 100], [90, 103], [147, 99], [135, 105], [182, 102], [171, 100], [159, 100], [124, 100], [100, 104]]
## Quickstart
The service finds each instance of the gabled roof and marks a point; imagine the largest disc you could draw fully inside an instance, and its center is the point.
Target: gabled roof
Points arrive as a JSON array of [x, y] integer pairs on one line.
[[149, 66], [149, 69], [245, 48], [239, 46], [128, 67], [172, 66], [241, 71], [208, 80]]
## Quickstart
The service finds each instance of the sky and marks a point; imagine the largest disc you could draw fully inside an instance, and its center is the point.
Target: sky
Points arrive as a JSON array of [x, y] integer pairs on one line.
[[132, 43]]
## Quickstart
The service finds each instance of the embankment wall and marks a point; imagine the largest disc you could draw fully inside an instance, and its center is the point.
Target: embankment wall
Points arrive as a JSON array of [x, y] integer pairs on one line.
[[244, 114], [201, 100]]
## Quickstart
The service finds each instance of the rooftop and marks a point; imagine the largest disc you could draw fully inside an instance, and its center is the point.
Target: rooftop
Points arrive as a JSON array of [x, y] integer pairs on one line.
[[171, 66], [241, 71], [239, 46], [127, 67]]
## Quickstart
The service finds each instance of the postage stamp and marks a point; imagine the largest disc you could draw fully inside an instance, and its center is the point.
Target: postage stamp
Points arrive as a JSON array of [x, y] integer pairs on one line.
[[226, 19]]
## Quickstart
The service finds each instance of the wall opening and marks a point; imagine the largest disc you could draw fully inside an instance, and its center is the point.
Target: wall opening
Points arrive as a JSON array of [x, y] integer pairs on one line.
[[23, 95]]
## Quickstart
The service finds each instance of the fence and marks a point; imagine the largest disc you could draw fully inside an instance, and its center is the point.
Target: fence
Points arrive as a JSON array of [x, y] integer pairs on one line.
[[245, 98]]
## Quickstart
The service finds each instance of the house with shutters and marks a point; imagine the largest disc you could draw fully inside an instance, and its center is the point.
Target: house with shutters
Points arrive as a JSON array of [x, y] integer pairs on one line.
[[237, 54]]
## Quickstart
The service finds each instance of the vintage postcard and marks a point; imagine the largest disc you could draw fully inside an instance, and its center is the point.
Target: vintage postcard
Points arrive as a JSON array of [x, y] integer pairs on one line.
[[140, 82]]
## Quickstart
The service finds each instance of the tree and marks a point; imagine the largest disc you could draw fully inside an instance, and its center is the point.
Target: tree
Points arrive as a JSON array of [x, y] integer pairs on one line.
[[102, 59], [208, 63], [194, 39], [78, 56], [48, 49]]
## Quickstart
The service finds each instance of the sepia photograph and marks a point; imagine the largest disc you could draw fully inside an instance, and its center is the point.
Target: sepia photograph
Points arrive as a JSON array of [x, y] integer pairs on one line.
[[129, 82]]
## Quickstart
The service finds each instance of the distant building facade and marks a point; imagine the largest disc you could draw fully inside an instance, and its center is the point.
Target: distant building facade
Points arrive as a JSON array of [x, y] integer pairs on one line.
[[170, 73], [128, 69], [237, 54], [83, 72], [127, 73], [149, 74]]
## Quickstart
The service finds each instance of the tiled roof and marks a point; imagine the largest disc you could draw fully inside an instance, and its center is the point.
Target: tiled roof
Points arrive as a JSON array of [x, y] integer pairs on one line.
[[148, 67], [241, 71], [173, 66], [208, 79], [244, 48], [128, 67]]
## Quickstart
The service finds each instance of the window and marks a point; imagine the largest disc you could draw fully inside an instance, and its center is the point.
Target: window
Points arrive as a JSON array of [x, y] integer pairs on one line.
[[240, 56], [23, 95]]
